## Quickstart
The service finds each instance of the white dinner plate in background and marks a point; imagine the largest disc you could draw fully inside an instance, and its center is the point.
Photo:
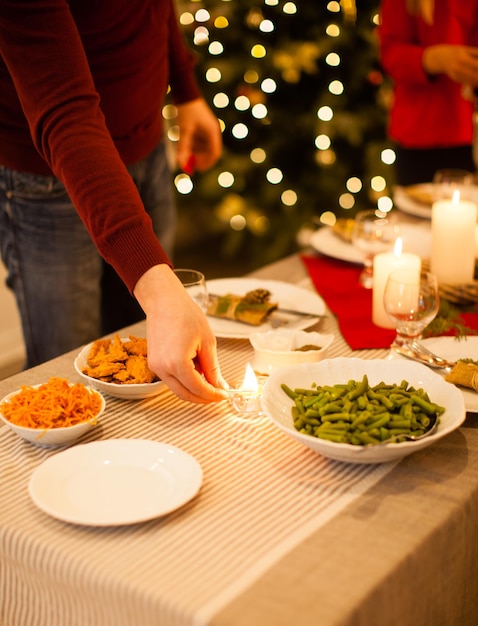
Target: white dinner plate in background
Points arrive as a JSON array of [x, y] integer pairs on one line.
[[286, 295], [417, 238], [406, 203], [115, 482]]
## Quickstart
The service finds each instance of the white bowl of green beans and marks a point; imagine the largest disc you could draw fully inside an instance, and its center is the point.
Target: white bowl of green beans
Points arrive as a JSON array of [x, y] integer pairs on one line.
[[361, 411]]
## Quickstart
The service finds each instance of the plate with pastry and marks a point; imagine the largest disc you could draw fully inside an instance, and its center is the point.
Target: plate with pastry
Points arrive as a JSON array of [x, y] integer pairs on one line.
[[240, 306], [417, 238], [464, 352], [418, 199]]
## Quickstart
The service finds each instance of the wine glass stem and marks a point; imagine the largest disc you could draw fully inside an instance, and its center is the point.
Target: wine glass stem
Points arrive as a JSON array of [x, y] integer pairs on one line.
[[366, 276], [405, 340]]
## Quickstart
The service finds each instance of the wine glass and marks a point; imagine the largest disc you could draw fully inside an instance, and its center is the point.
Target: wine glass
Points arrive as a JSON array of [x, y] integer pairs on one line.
[[411, 300], [195, 284], [374, 231], [447, 181]]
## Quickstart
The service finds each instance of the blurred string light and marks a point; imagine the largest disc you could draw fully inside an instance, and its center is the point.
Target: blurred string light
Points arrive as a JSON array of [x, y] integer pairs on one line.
[[333, 7], [225, 179], [258, 155], [266, 26], [221, 100], [215, 48], [242, 103], [183, 184]]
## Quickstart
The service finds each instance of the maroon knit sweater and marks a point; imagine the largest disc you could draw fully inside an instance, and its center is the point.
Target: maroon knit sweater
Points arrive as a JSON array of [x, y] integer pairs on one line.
[[82, 83]]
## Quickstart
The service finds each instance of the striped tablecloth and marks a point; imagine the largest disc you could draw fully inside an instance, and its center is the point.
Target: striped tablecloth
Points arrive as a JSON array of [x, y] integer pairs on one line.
[[263, 497], [262, 494]]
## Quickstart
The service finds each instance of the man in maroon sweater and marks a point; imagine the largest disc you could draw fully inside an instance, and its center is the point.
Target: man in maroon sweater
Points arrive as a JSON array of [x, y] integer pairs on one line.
[[82, 84]]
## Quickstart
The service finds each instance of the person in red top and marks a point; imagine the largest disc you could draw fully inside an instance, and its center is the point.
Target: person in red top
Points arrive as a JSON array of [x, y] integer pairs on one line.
[[428, 49], [84, 180]]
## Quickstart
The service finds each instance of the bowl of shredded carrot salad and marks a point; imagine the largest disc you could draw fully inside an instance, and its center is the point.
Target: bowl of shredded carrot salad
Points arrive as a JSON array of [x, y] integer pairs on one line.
[[55, 413]]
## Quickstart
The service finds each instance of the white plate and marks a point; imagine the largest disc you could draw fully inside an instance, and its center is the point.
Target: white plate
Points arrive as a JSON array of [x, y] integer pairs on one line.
[[325, 241], [453, 349], [277, 405], [408, 205], [417, 238], [115, 482], [405, 203], [288, 296]]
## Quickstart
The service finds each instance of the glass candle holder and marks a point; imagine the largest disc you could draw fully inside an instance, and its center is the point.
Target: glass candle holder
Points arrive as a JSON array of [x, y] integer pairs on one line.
[[246, 401]]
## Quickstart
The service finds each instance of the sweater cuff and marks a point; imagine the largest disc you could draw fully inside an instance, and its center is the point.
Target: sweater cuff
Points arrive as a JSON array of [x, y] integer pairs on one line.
[[132, 253]]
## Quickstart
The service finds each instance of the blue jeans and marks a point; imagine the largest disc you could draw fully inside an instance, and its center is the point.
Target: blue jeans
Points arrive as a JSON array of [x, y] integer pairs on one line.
[[66, 294]]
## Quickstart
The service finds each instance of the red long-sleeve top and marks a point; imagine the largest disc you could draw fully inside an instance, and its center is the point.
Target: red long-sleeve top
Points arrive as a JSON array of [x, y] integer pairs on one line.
[[427, 112], [82, 84]]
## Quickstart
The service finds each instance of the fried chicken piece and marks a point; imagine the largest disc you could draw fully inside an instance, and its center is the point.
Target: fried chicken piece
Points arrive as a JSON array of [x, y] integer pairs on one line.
[[103, 369], [107, 351], [137, 367], [99, 347], [117, 351], [136, 346]]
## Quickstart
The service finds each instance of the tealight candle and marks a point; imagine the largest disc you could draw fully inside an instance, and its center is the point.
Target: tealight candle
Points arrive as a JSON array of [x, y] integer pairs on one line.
[[453, 240], [246, 396], [383, 265]]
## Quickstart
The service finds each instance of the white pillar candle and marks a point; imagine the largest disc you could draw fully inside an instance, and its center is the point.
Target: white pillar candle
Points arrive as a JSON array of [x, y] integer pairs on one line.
[[453, 240], [383, 265]]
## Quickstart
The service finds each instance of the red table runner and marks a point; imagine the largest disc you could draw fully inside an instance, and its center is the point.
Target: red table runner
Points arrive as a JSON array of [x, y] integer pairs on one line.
[[338, 284]]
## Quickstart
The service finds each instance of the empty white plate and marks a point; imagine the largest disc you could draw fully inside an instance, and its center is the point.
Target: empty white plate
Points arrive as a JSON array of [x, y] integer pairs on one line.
[[115, 482]]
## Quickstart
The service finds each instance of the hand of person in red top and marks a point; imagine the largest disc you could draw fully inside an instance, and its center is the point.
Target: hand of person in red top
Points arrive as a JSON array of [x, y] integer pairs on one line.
[[460, 63], [181, 344], [200, 140]]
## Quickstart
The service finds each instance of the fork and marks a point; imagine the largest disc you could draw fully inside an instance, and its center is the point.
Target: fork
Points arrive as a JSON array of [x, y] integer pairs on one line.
[[418, 352], [278, 322]]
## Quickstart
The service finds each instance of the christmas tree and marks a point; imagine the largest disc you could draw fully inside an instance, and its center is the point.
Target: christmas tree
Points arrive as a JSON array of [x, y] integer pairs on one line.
[[302, 103]]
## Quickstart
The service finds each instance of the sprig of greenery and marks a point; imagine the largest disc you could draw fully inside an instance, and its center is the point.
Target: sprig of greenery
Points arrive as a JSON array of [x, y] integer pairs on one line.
[[449, 319]]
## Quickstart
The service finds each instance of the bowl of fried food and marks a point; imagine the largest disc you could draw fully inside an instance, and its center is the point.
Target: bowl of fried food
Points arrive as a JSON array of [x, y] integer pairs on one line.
[[55, 413], [361, 410], [118, 366]]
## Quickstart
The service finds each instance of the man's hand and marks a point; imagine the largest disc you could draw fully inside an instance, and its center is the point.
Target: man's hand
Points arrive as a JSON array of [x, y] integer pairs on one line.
[[181, 345], [200, 140]]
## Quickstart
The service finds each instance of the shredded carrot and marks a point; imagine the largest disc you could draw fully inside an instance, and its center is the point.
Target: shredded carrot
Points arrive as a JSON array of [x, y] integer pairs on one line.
[[54, 404]]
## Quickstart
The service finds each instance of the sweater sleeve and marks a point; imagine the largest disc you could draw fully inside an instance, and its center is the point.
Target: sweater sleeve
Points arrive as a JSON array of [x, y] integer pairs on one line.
[[62, 106], [400, 49]]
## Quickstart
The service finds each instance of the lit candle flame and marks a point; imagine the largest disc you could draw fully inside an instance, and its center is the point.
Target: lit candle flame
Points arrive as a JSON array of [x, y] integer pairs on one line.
[[398, 247], [456, 197], [250, 380]]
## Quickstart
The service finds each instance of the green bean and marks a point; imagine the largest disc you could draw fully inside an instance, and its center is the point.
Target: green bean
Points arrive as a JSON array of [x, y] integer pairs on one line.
[[334, 417], [373, 395], [382, 420], [359, 389], [337, 437], [290, 392], [429, 407]]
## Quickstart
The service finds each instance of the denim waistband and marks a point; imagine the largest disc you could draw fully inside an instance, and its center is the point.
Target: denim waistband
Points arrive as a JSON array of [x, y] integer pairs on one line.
[[15, 180]]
